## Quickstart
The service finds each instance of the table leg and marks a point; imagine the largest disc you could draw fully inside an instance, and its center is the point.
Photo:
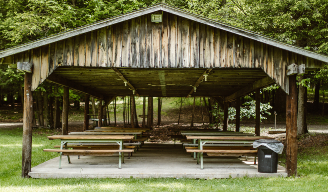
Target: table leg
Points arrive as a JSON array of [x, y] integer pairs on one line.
[[60, 157], [194, 142], [200, 146], [120, 155], [68, 158]]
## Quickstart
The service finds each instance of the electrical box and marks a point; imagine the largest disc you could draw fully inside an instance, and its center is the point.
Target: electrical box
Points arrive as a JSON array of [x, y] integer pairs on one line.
[[301, 69], [156, 18], [292, 69]]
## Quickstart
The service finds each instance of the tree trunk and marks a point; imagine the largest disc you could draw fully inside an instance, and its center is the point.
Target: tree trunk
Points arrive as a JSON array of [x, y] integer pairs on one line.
[[144, 112], [205, 105], [51, 110], [132, 115], [238, 114], [46, 108], [100, 113], [27, 126], [150, 112], [210, 110], [258, 113], [115, 112], [136, 124], [323, 102], [180, 111], [86, 113], [201, 107], [40, 108], [317, 95], [124, 103], [65, 111], [159, 111], [57, 110], [291, 128], [193, 113], [104, 114], [301, 109]]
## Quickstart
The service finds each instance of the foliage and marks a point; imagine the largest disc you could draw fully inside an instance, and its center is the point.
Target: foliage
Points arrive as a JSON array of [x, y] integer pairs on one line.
[[248, 110], [11, 81]]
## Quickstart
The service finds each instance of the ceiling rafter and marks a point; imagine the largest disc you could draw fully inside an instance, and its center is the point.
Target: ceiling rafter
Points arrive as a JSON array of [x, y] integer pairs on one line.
[[200, 79], [58, 79], [120, 75]]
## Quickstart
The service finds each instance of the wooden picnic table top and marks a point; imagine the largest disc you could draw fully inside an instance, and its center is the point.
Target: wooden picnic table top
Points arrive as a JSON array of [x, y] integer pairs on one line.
[[216, 134], [93, 137], [241, 138], [106, 133], [121, 128], [130, 130]]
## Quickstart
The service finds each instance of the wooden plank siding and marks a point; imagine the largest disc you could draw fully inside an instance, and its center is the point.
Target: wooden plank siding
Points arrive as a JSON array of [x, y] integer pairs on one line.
[[174, 43]]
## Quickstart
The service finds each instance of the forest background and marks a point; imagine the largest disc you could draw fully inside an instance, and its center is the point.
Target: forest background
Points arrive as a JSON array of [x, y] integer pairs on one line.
[[302, 23]]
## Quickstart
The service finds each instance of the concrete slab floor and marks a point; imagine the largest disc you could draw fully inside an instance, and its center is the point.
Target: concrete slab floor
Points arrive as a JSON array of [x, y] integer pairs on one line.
[[152, 161]]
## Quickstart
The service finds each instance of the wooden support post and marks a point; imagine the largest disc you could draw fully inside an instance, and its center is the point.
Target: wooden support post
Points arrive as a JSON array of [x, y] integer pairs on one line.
[[27, 126], [225, 121], [257, 113], [201, 107], [132, 111], [65, 111], [46, 108], [124, 103], [115, 112], [159, 111], [180, 111], [100, 113], [144, 112], [40, 108], [193, 113], [150, 112], [238, 114], [86, 113], [291, 128]]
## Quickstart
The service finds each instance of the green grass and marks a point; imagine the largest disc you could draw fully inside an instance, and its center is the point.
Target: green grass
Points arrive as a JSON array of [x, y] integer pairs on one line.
[[312, 169]]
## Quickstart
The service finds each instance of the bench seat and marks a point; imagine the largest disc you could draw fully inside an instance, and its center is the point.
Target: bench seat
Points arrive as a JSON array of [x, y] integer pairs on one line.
[[90, 152]]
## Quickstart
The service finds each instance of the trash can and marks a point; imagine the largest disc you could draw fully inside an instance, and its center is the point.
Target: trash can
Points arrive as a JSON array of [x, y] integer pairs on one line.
[[267, 153]]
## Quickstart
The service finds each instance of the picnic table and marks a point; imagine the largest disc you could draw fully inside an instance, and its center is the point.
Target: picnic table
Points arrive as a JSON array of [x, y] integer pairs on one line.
[[202, 140], [65, 139], [107, 133]]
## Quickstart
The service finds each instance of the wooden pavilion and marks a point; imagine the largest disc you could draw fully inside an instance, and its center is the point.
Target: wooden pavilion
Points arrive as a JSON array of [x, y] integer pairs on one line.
[[162, 51]]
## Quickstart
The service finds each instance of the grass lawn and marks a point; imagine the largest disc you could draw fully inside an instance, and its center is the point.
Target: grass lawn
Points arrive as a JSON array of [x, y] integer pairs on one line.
[[313, 173]]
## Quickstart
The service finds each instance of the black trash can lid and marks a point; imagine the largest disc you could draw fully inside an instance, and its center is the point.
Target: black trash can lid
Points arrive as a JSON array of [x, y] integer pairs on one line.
[[267, 141]]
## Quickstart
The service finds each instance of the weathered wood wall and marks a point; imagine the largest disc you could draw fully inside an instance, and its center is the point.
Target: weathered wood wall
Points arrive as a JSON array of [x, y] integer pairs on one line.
[[175, 43]]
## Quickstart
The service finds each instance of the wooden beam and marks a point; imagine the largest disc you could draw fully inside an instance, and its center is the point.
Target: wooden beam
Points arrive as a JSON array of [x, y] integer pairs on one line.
[[27, 126], [256, 85], [200, 79], [126, 81], [144, 112], [100, 113], [132, 116], [58, 79], [225, 120], [159, 111], [65, 111], [86, 112], [257, 112], [291, 128]]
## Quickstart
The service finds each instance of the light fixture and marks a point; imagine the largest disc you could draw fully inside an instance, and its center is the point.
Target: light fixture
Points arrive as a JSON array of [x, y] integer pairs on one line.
[[125, 83], [205, 75], [195, 89]]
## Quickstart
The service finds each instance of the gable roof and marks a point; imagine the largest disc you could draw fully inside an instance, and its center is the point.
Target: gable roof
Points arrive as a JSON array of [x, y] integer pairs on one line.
[[169, 9]]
